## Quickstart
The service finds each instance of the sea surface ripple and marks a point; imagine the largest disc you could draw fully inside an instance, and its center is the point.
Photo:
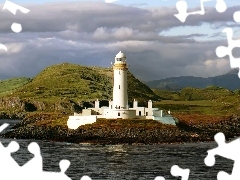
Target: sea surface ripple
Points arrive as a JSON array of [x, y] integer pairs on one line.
[[143, 162]]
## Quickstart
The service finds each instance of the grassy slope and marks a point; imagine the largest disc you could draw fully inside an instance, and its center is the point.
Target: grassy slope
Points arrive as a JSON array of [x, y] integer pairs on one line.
[[64, 82], [210, 101], [71, 82], [7, 86]]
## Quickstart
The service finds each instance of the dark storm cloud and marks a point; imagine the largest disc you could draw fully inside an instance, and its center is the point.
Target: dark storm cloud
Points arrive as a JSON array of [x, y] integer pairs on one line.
[[92, 34]]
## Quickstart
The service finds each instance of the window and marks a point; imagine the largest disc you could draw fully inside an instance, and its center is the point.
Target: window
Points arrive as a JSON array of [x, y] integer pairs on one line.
[[119, 86], [139, 113], [118, 107], [118, 114], [146, 113]]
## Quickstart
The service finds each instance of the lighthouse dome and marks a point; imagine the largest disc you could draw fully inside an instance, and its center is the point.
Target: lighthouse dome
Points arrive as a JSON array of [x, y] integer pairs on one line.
[[120, 55]]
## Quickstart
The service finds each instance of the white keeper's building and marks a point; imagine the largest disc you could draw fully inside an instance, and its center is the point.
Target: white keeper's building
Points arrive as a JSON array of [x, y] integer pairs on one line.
[[119, 108]]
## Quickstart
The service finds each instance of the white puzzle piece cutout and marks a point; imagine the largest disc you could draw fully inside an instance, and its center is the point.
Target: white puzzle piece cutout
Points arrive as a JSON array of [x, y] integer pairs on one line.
[[236, 16], [176, 171], [3, 47], [182, 8], [227, 150], [222, 51], [12, 7], [33, 169]]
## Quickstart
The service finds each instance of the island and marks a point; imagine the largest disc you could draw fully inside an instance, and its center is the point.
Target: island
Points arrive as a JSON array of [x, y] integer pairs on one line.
[[81, 95]]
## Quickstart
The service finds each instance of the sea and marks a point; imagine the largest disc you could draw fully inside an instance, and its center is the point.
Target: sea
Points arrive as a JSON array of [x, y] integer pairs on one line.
[[118, 162]]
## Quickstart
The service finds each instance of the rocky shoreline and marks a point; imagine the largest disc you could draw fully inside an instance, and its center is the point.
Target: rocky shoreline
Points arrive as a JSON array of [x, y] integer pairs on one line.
[[4, 115], [125, 132]]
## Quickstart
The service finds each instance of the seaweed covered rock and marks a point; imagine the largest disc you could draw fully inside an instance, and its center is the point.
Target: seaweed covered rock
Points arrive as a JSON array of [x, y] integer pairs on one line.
[[117, 131]]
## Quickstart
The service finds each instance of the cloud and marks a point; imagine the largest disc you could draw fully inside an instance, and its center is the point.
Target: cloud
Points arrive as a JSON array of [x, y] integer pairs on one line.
[[92, 33], [110, 1]]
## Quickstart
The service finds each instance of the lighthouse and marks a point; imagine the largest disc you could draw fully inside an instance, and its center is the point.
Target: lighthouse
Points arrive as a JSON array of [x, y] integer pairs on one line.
[[118, 108], [120, 69]]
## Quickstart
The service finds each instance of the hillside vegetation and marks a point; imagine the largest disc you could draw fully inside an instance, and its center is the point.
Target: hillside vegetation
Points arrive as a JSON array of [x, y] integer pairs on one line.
[[7, 86], [80, 83], [64, 87], [210, 101], [45, 102], [194, 94], [68, 87]]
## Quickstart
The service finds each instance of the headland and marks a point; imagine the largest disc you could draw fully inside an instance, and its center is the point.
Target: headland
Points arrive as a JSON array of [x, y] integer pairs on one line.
[[45, 102]]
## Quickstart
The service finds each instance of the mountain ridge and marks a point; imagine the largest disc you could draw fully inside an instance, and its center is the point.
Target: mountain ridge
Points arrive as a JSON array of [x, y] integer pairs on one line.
[[229, 80]]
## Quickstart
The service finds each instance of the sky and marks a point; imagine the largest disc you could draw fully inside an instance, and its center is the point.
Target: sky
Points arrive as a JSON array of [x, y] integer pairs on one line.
[[156, 43]]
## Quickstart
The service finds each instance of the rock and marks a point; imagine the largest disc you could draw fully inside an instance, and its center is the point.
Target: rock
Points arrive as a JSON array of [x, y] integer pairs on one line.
[[119, 131]]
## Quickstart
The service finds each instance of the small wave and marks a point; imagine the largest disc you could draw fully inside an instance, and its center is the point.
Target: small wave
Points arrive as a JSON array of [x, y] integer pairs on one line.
[[116, 148]]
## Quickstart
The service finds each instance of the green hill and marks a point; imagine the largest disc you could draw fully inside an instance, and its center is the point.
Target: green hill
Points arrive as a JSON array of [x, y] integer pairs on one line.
[[69, 87], [195, 94], [212, 100], [7, 86], [64, 87]]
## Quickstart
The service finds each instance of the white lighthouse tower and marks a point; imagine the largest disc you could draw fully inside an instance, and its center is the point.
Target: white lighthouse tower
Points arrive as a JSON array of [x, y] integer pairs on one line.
[[118, 108], [120, 96]]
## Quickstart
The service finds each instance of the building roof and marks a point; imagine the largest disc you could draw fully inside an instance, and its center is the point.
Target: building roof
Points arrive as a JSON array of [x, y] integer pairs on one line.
[[120, 55]]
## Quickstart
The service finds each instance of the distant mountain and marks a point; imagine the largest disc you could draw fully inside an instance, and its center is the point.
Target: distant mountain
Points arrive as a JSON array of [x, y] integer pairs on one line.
[[229, 80]]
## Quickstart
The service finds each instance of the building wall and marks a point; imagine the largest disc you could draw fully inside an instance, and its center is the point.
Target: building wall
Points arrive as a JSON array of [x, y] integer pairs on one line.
[[75, 121], [135, 104], [143, 111], [158, 113], [119, 113], [148, 112], [98, 111], [86, 112], [140, 111]]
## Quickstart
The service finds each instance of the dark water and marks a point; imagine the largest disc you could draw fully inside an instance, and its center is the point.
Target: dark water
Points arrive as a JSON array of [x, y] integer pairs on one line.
[[125, 161]]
